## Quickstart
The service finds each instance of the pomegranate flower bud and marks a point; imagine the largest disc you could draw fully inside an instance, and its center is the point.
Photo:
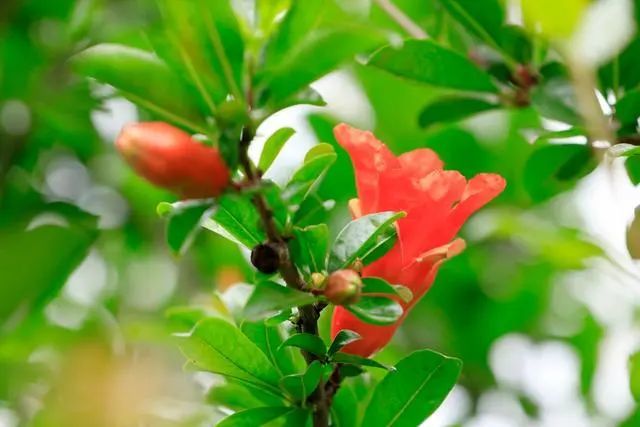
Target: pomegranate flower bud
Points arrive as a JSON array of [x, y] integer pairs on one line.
[[318, 282], [343, 287], [170, 158]]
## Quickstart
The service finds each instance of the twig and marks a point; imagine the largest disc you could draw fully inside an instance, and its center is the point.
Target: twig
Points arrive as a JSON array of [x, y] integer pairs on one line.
[[402, 19], [333, 384], [308, 314], [584, 82]]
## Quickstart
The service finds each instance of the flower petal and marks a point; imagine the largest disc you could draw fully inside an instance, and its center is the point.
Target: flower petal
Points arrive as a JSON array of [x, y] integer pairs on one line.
[[420, 162], [370, 157], [420, 231], [480, 190], [420, 273]]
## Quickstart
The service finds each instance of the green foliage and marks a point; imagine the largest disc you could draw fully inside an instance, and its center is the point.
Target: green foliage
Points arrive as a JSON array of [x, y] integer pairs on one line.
[[184, 221], [634, 368], [236, 218], [272, 147], [426, 62], [352, 359], [59, 249], [267, 416], [366, 238], [217, 346], [300, 386], [376, 310], [268, 298], [310, 248], [376, 285], [452, 109], [556, 167], [139, 75], [309, 343], [341, 339], [304, 180], [410, 393]]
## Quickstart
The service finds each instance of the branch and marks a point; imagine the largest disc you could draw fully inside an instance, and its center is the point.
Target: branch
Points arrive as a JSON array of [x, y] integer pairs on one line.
[[584, 82], [308, 314], [402, 19], [333, 384]]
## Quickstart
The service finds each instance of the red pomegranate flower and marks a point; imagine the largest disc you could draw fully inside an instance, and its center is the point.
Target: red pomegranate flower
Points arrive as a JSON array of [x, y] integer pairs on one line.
[[169, 158], [437, 203]]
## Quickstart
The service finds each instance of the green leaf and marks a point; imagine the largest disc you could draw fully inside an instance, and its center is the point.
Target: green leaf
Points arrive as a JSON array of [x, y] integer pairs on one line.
[[311, 211], [452, 109], [36, 262], [268, 11], [624, 71], [307, 177], [632, 165], [348, 371], [217, 346], [633, 236], [300, 386], [310, 248], [555, 99], [341, 339], [362, 237], [272, 147], [628, 108], [378, 286], [144, 79], [410, 394], [344, 408], [203, 40], [237, 219], [424, 61], [559, 136], [268, 298], [267, 416], [300, 19], [353, 359], [482, 18], [240, 396], [184, 223], [319, 150], [319, 53], [184, 318], [309, 343], [517, 43], [269, 338], [555, 168], [376, 310], [82, 18], [634, 375]]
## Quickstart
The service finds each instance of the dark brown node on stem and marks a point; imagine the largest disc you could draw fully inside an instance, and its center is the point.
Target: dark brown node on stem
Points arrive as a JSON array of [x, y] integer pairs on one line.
[[266, 258]]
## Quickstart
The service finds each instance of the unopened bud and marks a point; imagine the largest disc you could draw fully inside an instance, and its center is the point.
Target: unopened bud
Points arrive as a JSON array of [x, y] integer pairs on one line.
[[170, 158], [343, 287], [318, 281], [357, 266]]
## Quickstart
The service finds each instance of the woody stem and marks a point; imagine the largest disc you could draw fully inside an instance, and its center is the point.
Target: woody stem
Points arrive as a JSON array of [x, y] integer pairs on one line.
[[308, 314]]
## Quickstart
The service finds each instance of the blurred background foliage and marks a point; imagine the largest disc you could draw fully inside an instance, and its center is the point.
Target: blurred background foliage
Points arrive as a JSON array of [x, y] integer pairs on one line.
[[541, 307]]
